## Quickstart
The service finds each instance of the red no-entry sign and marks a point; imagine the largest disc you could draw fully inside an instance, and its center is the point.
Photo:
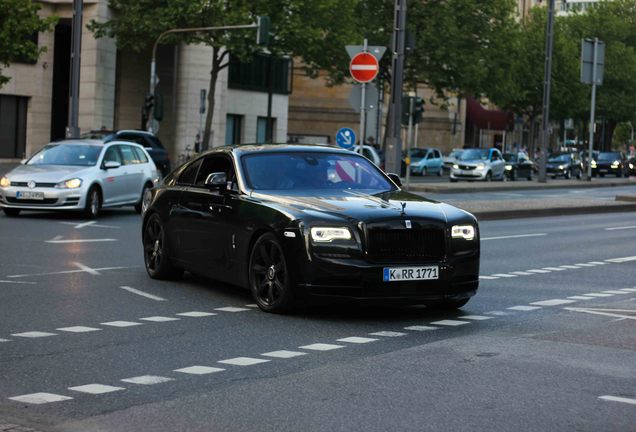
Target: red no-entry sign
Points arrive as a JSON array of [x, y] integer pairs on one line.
[[364, 67]]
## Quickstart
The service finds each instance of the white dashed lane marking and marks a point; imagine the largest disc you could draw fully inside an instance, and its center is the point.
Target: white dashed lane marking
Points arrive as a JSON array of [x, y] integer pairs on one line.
[[504, 275], [96, 388], [34, 334], [599, 295], [420, 328], [523, 308], [498, 313], [580, 298], [621, 260], [513, 236], [159, 319], [388, 334], [78, 329], [40, 398], [451, 323], [284, 354], [147, 380], [199, 370], [553, 268], [521, 273], [5, 340], [538, 271], [121, 323], [631, 401], [553, 302], [585, 265], [475, 317], [231, 309], [615, 292], [357, 340], [17, 282], [196, 314], [321, 347], [629, 289], [569, 267], [243, 361], [487, 278]]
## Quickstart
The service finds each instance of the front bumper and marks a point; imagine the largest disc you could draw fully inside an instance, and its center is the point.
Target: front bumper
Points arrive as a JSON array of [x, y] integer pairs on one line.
[[54, 199], [606, 169], [473, 174]]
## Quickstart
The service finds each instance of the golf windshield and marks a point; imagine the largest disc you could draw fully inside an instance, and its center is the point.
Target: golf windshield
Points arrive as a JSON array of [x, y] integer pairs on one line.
[[67, 154]]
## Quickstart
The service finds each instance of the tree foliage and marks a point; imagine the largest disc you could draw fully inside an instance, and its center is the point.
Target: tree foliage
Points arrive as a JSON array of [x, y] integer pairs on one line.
[[18, 21]]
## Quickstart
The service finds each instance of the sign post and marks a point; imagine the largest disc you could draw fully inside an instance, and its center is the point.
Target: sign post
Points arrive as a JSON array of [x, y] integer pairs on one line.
[[592, 62], [364, 67]]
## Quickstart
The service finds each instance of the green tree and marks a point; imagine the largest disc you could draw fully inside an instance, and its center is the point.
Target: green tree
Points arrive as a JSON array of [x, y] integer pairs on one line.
[[310, 30], [18, 21]]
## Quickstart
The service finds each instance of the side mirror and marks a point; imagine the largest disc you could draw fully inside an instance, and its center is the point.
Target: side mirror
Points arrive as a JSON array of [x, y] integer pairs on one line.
[[111, 165], [395, 178], [216, 180]]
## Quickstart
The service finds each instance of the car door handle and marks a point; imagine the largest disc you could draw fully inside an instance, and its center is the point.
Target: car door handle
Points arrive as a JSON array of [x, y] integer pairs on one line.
[[219, 207]]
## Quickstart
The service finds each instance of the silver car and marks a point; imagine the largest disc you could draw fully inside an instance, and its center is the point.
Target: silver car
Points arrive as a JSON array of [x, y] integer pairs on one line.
[[85, 175], [479, 164]]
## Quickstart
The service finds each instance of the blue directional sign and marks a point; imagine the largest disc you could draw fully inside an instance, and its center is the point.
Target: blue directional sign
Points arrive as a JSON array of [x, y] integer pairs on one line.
[[345, 138]]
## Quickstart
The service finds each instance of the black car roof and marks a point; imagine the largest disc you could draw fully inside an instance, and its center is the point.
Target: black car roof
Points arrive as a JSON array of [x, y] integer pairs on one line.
[[243, 149]]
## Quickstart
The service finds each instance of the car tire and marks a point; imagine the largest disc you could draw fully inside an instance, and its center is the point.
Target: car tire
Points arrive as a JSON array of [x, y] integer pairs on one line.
[[488, 176], [93, 205], [530, 175], [439, 172], [424, 172], [452, 180], [567, 175], [447, 305], [143, 200], [579, 175], [157, 251], [11, 212], [269, 277]]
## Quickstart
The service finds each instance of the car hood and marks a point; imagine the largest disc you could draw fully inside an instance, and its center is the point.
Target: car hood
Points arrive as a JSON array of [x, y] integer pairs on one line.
[[46, 173], [473, 162], [355, 206]]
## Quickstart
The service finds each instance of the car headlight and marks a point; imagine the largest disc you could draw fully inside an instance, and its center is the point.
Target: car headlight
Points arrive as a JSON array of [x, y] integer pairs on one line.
[[455, 166], [467, 232], [481, 166], [69, 184], [508, 167], [593, 164], [631, 166], [561, 167], [615, 164], [5, 182], [328, 234]]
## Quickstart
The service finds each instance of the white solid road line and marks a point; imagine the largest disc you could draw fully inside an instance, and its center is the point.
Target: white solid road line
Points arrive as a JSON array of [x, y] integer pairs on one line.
[[18, 282], [69, 272], [554, 302], [59, 240], [87, 269], [141, 293], [618, 399], [620, 228], [514, 236], [597, 312], [91, 224]]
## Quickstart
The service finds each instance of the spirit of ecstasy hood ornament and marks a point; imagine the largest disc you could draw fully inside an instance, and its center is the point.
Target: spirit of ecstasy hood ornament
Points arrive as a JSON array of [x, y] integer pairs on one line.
[[403, 207]]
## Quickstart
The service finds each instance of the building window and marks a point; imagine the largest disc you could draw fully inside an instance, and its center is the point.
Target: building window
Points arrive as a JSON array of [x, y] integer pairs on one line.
[[13, 114], [261, 129], [233, 129], [254, 75]]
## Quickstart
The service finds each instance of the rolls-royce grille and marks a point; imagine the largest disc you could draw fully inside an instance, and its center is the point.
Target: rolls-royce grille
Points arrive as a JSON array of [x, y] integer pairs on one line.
[[401, 245]]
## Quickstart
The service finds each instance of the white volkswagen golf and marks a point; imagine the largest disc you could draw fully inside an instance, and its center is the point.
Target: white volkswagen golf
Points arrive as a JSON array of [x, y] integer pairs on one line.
[[84, 175]]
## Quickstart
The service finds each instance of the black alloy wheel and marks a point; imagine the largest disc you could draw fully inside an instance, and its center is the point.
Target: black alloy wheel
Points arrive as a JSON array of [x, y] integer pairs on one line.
[[269, 276], [11, 212], [93, 205], [156, 252]]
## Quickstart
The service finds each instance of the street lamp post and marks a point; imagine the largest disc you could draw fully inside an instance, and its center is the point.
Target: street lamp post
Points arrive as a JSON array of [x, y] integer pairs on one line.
[[547, 81]]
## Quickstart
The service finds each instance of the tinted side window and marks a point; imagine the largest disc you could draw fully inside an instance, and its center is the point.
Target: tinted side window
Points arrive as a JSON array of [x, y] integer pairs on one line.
[[367, 154], [437, 155], [133, 138], [189, 174], [112, 155], [154, 142], [141, 156]]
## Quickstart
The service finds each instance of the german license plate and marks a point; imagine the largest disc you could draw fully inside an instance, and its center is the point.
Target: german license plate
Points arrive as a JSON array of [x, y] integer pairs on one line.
[[27, 195], [396, 274]]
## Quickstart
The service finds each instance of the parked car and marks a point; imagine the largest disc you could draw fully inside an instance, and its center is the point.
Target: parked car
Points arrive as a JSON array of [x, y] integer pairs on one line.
[[609, 163], [84, 175], [451, 158], [567, 165], [426, 161], [479, 164], [631, 167], [324, 223], [518, 165], [150, 142], [370, 153]]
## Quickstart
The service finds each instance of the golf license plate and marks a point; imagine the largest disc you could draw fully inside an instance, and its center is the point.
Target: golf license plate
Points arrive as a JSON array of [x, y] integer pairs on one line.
[[27, 195], [397, 274]]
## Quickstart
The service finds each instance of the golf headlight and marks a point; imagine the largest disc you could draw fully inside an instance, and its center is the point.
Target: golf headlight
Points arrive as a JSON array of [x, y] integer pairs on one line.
[[5, 182], [481, 166], [455, 166], [593, 164], [615, 164], [561, 167], [327, 234], [69, 184], [508, 167], [467, 232]]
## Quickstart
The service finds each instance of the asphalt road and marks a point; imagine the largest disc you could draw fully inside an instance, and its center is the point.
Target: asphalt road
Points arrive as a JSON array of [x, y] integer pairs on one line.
[[548, 343]]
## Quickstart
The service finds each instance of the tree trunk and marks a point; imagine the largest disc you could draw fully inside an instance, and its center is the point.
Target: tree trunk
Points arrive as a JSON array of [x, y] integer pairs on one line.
[[214, 74]]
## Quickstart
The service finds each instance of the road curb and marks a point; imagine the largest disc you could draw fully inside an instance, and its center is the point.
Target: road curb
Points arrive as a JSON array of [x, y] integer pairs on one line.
[[628, 198], [507, 187], [552, 211]]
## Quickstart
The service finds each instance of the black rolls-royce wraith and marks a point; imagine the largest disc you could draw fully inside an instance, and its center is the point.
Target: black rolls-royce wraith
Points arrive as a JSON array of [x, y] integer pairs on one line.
[[295, 221]]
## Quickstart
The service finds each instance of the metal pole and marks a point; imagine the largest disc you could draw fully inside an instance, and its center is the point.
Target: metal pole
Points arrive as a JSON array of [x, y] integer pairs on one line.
[[269, 132], [363, 103], [592, 112], [72, 130], [393, 139], [547, 81], [380, 106], [409, 142]]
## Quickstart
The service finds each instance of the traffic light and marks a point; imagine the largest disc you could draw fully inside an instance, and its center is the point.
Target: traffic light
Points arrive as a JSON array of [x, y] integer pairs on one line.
[[262, 31], [418, 110]]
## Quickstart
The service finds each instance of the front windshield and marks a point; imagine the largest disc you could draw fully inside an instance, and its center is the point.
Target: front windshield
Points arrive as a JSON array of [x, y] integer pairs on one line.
[[418, 153], [296, 171], [560, 158], [67, 154], [609, 156], [474, 154]]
